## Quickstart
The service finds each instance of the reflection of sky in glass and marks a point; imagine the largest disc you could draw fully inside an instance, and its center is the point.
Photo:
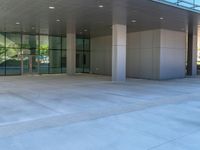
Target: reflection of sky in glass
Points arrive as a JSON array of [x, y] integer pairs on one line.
[[191, 4], [198, 2]]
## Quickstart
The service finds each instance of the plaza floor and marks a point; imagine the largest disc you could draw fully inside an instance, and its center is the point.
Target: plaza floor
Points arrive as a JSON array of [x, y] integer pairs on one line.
[[89, 112]]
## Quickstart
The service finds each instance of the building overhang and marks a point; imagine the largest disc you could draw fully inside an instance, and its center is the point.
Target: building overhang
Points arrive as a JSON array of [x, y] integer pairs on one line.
[[91, 17]]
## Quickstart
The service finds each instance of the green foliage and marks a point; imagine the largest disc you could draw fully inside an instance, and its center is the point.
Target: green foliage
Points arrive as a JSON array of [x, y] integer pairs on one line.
[[44, 49], [2, 55]]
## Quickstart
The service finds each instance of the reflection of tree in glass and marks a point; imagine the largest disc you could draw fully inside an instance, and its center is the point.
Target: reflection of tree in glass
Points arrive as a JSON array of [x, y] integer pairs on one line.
[[44, 50], [2, 54], [12, 57], [11, 52], [13, 45]]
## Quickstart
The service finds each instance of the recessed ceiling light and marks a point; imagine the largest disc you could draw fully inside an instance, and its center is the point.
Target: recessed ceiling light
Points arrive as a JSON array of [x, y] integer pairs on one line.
[[85, 30], [51, 7], [133, 21], [101, 6], [58, 20], [161, 18], [17, 23]]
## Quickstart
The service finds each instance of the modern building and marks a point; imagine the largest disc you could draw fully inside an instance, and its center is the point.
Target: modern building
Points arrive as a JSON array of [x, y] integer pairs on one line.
[[150, 39]]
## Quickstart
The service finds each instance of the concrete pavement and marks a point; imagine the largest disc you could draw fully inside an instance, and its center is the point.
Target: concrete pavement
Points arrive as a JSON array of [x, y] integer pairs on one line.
[[89, 112]]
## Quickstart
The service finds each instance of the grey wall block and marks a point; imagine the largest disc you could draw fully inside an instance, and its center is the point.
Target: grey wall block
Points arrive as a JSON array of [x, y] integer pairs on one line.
[[154, 54]]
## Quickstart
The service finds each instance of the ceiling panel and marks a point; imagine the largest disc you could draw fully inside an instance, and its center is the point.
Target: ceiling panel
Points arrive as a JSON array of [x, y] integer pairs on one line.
[[36, 17]]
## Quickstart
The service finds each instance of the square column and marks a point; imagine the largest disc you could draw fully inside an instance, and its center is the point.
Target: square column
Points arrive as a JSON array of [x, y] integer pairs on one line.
[[192, 54], [119, 34], [71, 50]]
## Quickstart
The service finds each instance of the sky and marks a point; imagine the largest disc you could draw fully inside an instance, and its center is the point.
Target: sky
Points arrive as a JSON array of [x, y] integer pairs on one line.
[[185, 4]]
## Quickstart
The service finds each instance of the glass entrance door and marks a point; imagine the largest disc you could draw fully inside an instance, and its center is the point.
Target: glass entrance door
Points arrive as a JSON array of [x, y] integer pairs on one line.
[[29, 64]]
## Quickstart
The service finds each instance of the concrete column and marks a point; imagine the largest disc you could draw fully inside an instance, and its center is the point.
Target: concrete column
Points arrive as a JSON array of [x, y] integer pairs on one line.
[[71, 49], [119, 34], [192, 53]]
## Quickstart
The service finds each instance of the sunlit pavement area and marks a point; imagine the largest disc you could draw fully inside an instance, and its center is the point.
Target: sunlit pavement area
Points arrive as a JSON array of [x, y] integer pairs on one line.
[[89, 112]]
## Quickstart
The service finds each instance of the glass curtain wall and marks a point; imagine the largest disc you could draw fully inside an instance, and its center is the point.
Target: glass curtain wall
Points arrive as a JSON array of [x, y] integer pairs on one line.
[[12, 53], [55, 53], [193, 5], [41, 54], [2, 54], [30, 53], [63, 55], [83, 55]]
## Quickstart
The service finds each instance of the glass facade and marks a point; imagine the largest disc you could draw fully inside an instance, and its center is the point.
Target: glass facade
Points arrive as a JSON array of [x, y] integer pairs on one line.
[[83, 55], [193, 5], [39, 54], [12, 53]]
